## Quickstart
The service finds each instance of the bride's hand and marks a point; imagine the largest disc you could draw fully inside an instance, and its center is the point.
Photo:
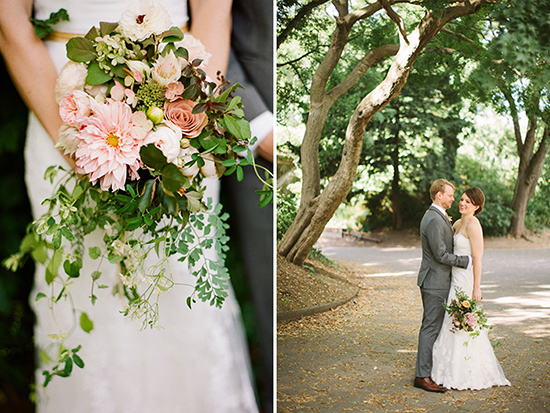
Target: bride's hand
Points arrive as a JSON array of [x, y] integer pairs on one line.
[[477, 294]]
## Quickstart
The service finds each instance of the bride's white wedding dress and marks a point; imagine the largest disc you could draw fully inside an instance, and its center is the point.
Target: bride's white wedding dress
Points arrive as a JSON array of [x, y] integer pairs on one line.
[[460, 361], [198, 362]]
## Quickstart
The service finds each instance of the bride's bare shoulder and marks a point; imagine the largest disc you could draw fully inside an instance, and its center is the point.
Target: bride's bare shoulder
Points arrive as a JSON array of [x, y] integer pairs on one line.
[[473, 227]]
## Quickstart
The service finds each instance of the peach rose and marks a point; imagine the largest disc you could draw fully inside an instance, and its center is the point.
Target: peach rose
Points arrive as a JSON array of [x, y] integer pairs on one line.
[[179, 113]]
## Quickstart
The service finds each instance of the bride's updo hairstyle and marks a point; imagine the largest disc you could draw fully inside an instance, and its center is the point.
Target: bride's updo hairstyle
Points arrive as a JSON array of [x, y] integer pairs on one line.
[[476, 197]]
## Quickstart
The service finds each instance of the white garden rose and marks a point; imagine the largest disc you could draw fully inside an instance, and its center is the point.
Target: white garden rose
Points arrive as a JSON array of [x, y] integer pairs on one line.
[[184, 157], [68, 140], [72, 77], [209, 168], [144, 18], [167, 138]]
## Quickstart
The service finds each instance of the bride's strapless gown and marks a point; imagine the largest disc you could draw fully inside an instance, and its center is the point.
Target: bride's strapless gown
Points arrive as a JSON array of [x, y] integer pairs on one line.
[[460, 361], [198, 362]]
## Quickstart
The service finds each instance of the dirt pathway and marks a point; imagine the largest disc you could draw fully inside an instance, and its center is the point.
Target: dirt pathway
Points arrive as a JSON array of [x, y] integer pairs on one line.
[[361, 357]]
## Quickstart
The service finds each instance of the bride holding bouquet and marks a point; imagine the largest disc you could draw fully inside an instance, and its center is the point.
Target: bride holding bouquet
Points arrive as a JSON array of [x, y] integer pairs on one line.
[[197, 360]]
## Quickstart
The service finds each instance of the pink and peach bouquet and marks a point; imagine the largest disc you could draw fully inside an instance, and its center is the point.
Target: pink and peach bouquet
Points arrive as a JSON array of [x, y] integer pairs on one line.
[[145, 128], [466, 314]]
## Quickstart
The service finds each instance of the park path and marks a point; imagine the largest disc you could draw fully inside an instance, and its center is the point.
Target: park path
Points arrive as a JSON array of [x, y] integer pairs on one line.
[[361, 356]]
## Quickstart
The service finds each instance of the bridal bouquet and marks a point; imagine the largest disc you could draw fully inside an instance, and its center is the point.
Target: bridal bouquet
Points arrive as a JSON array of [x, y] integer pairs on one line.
[[466, 314], [144, 126]]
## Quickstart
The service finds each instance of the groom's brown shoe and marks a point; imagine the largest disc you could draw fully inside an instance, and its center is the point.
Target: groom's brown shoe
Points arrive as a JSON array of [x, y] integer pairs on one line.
[[428, 384]]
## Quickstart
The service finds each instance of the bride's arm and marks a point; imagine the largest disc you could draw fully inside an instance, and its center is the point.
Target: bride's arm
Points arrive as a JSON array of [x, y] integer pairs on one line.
[[475, 234], [211, 24], [29, 63]]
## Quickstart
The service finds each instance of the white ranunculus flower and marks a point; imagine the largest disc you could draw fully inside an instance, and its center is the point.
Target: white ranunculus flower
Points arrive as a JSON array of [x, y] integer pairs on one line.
[[195, 48], [72, 77], [209, 168], [167, 138], [166, 70], [143, 19], [184, 157], [68, 139]]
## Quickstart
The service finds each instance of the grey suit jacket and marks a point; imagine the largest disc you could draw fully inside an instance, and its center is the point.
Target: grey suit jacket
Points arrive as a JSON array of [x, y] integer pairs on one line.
[[437, 251]]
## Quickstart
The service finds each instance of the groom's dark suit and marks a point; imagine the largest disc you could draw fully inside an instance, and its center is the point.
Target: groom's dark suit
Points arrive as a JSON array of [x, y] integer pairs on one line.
[[434, 280]]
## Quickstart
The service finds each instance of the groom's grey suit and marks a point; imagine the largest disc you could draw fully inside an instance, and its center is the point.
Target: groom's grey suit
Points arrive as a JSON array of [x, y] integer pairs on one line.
[[434, 280]]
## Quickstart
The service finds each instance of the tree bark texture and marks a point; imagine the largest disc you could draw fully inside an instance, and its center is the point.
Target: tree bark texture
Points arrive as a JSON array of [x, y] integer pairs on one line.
[[529, 171], [316, 208]]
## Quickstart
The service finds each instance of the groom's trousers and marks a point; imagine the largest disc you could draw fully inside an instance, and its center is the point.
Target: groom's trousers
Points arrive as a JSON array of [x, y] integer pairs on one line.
[[432, 319]]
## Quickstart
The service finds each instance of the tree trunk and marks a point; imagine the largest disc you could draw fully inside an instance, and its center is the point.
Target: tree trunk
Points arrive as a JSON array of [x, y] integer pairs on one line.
[[529, 171], [316, 209]]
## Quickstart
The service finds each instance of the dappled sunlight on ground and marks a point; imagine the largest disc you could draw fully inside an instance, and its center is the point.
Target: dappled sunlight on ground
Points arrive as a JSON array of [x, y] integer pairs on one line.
[[529, 310]]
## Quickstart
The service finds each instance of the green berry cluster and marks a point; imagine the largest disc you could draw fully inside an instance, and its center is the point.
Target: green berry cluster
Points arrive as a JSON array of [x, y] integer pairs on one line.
[[150, 95]]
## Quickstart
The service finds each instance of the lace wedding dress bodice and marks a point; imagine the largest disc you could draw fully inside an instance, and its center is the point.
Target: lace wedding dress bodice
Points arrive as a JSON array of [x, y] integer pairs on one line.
[[460, 361], [197, 362]]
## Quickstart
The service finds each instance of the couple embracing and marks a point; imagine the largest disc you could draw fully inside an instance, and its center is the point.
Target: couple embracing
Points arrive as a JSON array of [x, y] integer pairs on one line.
[[451, 257]]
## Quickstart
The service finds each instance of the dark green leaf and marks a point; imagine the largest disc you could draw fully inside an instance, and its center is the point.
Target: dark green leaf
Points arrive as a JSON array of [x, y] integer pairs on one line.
[[153, 157], [181, 52], [172, 35], [43, 27], [265, 200], [78, 361], [199, 108], [80, 49], [107, 28], [147, 195], [169, 203], [172, 178], [96, 75]]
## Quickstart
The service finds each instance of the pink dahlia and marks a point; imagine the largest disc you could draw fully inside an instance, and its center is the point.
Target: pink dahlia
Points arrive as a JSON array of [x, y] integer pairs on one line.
[[110, 145]]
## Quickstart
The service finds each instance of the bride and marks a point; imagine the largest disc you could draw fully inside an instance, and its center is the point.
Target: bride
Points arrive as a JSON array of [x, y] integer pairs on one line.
[[198, 362], [459, 360]]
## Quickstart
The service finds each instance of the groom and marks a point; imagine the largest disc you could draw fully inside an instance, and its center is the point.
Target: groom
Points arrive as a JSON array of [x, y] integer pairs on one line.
[[434, 277]]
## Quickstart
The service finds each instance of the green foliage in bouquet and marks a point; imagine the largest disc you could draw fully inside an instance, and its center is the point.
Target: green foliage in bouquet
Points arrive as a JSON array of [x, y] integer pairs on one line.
[[466, 314], [156, 210]]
